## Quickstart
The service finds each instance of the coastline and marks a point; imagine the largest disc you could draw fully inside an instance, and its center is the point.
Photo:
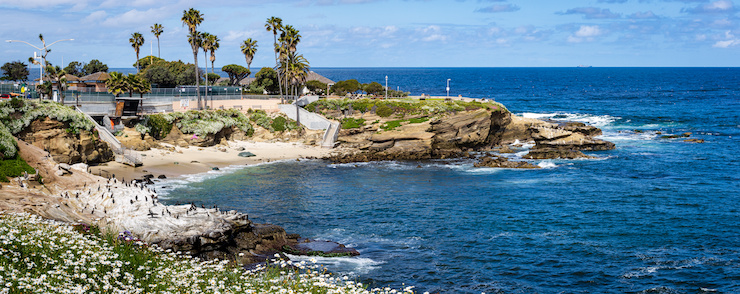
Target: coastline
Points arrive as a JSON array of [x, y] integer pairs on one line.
[[195, 160]]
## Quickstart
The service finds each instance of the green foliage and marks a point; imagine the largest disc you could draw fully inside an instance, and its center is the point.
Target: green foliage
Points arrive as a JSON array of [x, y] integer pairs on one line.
[[8, 147], [277, 124], [316, 87], [14, 167], [401, 107], [198, 122], [14, 71], [16, 119], [344, 87], [236, 73], [212, 78], [352, 123], [94, 66], [146, 61], [75, 68], [384, 110], [267, 79], [169, 74], [390, 125], [374, 88]]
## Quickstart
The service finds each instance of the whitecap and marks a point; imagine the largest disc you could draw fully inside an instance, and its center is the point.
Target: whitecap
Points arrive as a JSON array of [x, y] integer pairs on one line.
[[547, 164], [349, 265], [591, 119]]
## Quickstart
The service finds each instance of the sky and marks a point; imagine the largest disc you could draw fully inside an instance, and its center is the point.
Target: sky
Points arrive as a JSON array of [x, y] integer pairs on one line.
[[378, 33]]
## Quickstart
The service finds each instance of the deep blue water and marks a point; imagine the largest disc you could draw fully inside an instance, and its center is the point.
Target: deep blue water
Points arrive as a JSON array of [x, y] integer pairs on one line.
[[653, 216]]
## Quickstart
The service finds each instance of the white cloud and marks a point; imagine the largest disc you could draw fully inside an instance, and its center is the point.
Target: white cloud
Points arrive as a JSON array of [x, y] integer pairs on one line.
[[588, 31], [96, 16], [585, 34], [239, 35], [433, 33], [730, 41], [39, 3], [134, 18]]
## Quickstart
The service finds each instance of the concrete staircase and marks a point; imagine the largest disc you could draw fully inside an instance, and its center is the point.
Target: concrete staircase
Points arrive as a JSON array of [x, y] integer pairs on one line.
[[123, 155], [313, 121]]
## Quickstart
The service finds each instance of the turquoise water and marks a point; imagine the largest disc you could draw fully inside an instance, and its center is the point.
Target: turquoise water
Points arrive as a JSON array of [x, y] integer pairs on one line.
[[653, 216]]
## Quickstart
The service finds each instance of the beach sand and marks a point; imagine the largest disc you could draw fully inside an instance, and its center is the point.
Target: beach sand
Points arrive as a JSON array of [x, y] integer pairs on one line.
[[193, 160]]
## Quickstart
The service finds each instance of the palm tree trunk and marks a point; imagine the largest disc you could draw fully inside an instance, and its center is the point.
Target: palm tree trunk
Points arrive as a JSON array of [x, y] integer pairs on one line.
[[205, 102], [197, 76], [159, 53], [280, 87]]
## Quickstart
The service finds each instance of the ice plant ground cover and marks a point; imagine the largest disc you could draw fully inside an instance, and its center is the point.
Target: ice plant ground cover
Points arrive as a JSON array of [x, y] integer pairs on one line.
[[42, 256]]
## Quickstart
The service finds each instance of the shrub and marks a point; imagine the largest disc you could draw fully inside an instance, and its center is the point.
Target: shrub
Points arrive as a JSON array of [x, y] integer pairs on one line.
[[384, 110], [14, 167], [352, 123], [278, 124]]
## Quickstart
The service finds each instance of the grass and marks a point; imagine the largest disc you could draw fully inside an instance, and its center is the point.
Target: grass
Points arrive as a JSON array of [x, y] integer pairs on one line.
[[391, 125], [352, 123], [43, 256], [14, 167]]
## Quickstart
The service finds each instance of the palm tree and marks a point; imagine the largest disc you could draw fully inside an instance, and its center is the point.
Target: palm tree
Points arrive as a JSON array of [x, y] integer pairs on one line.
[[249, 48], [193, 18], [58, 78], [136, 41], [289, 40], [275, 24], [135, 83], [157, 30], [205, 44], [213, 40], [116, 83]]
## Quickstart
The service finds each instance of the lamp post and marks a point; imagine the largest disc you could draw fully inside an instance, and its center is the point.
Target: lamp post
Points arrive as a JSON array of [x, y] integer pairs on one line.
[[448, 88], [386, 87], [43, 50]]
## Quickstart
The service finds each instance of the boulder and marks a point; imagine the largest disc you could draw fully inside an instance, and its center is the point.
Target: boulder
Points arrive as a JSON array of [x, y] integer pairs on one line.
[[551, 153], [579, 127], [501, 162]]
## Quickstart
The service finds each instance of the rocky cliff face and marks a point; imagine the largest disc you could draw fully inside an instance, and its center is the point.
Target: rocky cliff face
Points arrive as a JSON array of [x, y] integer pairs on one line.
[[63, 144], [457, 134]]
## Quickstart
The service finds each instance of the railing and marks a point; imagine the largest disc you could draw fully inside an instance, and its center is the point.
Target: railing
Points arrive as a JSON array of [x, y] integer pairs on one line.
[[313, 121]]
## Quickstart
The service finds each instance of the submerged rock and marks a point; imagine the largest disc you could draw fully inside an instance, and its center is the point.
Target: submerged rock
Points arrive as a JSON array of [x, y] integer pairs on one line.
[[555, 154], [501, 162], [319, 248]]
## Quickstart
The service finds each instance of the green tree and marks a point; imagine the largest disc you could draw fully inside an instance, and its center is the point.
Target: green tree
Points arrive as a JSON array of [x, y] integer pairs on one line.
[[159, 73], [57, 76], [193, 18], [136, 40], [94, 66], [316, 87], [344, 87], [213, 78], [267, 78], [373, 88], [14, 71], [157, 29], [74, 68], [236, 73], [135, 83], [117, 84], [275, 24], [145, 61], [249, 49]]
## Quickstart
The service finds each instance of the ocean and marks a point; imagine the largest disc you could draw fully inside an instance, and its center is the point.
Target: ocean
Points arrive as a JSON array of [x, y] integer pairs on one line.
[[655, 215]]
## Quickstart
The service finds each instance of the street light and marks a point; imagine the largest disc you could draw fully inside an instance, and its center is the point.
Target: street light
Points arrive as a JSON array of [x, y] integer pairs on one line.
[[448, 88], [386, 87], [44, 51]]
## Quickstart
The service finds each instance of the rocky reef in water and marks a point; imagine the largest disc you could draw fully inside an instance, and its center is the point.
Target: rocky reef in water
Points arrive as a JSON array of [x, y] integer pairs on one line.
[[463, 133]]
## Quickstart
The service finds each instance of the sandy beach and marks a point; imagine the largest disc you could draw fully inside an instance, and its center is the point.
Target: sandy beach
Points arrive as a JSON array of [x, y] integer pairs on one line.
[[193, 160]]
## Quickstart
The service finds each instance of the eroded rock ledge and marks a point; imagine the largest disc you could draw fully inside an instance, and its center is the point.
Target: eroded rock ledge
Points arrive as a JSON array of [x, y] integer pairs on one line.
[[460, 134]]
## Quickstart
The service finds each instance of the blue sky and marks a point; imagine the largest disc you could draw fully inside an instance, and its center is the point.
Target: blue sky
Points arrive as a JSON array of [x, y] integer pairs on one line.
[[376, 33]]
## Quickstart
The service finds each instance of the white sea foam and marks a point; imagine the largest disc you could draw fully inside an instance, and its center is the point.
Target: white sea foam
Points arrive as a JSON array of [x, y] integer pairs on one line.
[[165, 186], [350, 265], [547, 164], [591, 119]]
